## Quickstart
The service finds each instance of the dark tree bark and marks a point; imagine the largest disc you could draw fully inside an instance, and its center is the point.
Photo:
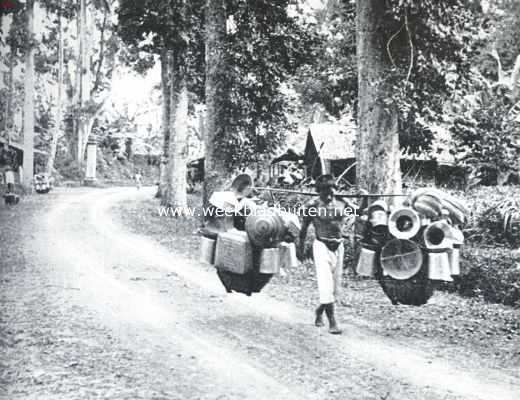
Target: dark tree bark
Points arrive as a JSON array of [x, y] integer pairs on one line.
[[165, 87], [217, 172], [175, 194], [59, 115], [378, 153], [8, 120], [28, 108], [176, 187]]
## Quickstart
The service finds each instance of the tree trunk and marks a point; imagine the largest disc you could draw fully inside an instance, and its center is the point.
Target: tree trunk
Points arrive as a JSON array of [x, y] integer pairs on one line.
[[57, 127], [82, 122], [87, 118], [8, 120], [216, 170], [74, 143], [28, 108], [165, 86], [70, 126], [175, 195], [378, 154]]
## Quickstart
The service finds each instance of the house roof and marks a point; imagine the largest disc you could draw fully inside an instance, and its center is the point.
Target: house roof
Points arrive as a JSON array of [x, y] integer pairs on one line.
[[20, 147], [337, 142], [289, 155], [11, 143]]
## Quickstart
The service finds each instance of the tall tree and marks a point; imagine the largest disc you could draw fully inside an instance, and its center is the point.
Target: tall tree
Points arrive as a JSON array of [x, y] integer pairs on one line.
[[92, 74], [413, 57], [165, 58], [59, 110], [424, 49], [28, 125], [377, 147], [176, 184], [172, 31], [253, 47], [216, 169], [14, 44]]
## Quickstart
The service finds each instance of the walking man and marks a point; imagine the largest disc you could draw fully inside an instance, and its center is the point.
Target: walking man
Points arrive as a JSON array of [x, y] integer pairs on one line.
[[327, 215], [138, 178], [9, 179]]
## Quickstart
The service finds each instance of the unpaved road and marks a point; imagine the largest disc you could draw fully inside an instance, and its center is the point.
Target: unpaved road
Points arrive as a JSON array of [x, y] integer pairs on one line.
[[91, 311]]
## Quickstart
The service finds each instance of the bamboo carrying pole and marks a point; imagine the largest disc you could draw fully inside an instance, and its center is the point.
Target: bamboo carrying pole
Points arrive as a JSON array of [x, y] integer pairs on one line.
[[345, 195]]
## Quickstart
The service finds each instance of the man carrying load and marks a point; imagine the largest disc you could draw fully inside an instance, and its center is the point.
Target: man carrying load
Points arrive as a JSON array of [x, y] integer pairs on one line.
[[327, 215]]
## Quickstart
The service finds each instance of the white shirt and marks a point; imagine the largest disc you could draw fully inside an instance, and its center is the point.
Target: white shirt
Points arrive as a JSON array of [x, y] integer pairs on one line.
[[9, 177]]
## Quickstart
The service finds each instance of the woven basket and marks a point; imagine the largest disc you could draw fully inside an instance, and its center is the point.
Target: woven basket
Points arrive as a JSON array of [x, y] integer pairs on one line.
[[415, 290], [401, 259], [265, 230]]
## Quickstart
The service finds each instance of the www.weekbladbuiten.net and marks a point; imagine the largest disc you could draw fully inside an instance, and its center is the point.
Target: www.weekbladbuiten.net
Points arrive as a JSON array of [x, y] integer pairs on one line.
[[300, 211]]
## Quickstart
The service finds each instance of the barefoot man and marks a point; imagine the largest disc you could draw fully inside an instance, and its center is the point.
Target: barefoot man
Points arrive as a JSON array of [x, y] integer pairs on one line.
[[327, 215]]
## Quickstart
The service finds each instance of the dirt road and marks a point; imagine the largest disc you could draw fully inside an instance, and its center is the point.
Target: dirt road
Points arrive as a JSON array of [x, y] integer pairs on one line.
[[91, 311]]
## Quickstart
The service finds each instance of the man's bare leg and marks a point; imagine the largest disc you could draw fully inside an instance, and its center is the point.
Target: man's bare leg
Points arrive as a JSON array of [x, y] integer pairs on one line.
[[319, 315], [333, 325]]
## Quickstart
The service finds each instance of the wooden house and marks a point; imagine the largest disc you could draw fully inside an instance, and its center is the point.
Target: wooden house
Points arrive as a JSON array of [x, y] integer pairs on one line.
[[330, 148]]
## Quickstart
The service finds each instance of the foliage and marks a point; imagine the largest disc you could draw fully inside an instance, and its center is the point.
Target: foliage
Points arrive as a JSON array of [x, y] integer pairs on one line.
[[429, 49], [489, 140], [147, 27], [10, 7], [331, 79], [498, 223], [491, 274], [265, 46], [70, 170], [501, 23], [486, 125]]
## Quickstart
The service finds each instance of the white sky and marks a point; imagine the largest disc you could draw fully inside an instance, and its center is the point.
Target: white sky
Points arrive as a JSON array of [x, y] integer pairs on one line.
[[133, 89]]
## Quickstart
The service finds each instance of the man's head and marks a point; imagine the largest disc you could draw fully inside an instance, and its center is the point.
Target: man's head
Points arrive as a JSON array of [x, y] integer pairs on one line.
[[242, 185], [325, 185]]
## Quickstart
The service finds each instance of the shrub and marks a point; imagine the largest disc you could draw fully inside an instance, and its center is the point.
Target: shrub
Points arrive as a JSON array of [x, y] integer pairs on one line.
[[71, 171], [493, 274], [499, 223]]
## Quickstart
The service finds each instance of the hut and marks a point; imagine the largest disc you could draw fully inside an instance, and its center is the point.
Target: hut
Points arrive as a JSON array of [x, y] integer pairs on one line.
[[330, 148]]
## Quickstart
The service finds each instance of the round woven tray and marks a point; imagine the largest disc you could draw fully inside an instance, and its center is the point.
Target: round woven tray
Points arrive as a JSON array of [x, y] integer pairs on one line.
[[416, 290], [401, 258]]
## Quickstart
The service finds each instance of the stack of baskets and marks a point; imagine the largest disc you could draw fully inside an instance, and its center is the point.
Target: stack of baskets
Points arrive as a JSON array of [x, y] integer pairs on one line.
[[410, 248], [248, 255]]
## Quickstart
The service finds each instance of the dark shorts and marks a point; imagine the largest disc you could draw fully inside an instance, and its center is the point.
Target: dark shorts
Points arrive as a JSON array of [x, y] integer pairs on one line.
[[332, 245]]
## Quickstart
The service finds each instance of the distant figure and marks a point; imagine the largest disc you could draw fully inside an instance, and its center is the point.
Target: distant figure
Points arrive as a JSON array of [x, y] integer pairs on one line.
[[138, 178], [20, 174], [9, 179]]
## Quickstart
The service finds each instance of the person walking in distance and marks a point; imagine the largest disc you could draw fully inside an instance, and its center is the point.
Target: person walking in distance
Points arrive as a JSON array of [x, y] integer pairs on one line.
[[9, 179], [326, 213], [138, 178]]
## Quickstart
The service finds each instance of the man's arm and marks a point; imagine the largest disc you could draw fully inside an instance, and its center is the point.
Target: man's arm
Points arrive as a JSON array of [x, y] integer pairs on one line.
[[307, 220], [303, 233]]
